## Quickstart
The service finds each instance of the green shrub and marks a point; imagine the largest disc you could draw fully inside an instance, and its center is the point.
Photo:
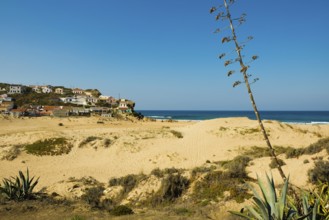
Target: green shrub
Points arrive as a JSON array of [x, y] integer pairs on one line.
[[51, 146], [215, 183], [157, 172], [127, 182], [306, 161], [93, 195], [19, 187], [177, 133], [161, 173], [257, 152], [88, 140], [60, 124], [237, 167], [182, 211], [121, 210], [173, 186], [320, 172], [200, 170], [273, 163], [107, 142], [294, 152], [77, 217]]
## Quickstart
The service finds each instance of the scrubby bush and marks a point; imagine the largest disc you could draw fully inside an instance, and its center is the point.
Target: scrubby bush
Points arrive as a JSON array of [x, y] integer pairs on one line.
[[88, 140], [213, 185], [274, 164], [306, 161], [127, 182], [51, 146], [161, 173], [237, 167], [320, 172], [294, 152], [200, 170], [177, 133], [121, 210], [107, 142], [93, 195], [173, 186]]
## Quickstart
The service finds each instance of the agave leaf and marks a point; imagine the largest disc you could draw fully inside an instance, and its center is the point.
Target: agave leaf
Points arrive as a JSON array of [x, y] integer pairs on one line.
[[263, 209], [268, 194], [34, 184], [254, 191], [315, 209], [305, 205], [254, 213], [284, 192], [240, 214]]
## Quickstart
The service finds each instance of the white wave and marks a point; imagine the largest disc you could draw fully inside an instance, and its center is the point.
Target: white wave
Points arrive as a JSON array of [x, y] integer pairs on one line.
[[319, 122]]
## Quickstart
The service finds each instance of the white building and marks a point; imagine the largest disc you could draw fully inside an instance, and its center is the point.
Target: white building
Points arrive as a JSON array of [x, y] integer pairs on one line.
[[77, 100], [46, 89], [16, 89]]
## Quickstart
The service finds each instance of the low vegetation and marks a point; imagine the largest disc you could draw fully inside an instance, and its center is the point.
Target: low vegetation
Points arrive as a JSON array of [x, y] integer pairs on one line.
[[320, 172], [18, 188], [12, 153], [127, 182], [88, 140], [177, 134], [51, 146], [172, 187], [274, 164], [214, 183], [161, 173], [290, 152], [121, 210], [93, 195]]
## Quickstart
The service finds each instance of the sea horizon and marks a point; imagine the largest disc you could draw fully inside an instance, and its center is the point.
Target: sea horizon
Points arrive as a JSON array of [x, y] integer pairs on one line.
[[286, 116]]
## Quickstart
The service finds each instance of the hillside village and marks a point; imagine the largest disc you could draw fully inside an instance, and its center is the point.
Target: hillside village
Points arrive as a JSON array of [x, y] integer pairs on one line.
[[20, 100]]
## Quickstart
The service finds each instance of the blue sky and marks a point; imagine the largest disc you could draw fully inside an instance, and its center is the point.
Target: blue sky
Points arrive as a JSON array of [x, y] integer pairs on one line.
[[163, 54]]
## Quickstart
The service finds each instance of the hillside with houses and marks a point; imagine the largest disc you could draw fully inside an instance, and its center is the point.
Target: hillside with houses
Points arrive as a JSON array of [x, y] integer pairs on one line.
[[21, 100]]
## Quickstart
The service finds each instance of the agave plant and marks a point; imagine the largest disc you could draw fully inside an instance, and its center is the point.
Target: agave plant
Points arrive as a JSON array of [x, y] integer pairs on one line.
[[321, 200], [19, 187], [268, 206]]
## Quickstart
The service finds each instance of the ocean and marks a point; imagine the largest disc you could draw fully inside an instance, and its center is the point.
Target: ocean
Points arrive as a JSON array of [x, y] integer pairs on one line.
[[299, 117]]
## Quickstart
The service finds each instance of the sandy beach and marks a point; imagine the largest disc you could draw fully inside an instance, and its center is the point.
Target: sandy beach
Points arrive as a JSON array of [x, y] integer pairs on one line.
[[138, 147]]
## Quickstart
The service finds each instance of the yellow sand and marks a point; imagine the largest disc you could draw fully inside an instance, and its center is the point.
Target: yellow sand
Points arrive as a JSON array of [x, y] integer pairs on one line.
[[142, 146]]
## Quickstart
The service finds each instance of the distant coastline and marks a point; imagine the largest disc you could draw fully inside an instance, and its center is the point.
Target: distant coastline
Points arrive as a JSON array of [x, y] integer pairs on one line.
[[294, 117]]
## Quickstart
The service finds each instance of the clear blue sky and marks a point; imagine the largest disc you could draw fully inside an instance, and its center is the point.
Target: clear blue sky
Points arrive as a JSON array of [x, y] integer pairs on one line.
[[163, 54]]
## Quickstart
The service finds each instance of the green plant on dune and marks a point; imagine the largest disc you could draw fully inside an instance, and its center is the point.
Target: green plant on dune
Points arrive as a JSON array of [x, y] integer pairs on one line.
[[50, 146], [18, 188], [267, 205], [234, 22]]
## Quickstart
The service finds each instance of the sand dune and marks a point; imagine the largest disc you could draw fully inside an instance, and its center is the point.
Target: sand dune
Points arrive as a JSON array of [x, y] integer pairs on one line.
[[139, 147]]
